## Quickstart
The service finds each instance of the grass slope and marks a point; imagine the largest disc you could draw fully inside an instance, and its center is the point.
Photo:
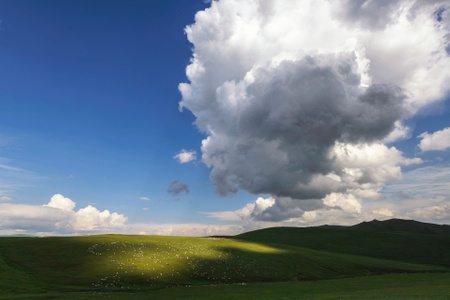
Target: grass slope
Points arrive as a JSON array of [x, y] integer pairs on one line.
[[45, 266], [374, 240]]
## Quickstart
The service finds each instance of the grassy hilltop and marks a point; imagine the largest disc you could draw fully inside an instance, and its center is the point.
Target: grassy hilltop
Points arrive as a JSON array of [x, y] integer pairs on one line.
[[117, 265]]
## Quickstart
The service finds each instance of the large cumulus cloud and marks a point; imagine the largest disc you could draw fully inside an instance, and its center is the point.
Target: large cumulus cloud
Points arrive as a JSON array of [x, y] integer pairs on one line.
[[287, 122], [297, 98]]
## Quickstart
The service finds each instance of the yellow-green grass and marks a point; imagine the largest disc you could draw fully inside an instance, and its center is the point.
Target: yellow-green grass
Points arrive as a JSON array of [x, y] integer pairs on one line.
[[116, 263]]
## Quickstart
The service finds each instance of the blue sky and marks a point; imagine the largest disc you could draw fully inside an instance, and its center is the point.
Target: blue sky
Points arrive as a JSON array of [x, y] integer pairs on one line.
[[89, 112]]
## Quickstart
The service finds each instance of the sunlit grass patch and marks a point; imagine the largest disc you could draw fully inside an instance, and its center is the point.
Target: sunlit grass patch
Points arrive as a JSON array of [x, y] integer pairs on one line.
[[174, 260], [251, 247]]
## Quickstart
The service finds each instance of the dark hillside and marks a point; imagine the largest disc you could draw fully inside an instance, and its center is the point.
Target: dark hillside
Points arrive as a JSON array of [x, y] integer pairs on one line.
[[368, 239]]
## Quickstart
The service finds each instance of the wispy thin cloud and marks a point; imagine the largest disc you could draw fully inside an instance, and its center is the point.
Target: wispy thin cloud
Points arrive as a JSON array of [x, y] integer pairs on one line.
[[13, 178], [14, 169]]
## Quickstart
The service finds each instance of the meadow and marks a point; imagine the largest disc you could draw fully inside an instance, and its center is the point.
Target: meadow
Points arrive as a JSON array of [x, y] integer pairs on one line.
[[137, 267]]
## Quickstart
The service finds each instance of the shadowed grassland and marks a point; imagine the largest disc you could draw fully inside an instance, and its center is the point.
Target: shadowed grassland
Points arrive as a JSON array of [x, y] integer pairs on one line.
[[431, 249], [118, 263], [14, 278]]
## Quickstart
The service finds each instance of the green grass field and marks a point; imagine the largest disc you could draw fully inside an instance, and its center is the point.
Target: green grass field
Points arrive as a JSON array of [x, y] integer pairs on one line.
[[137, 267]]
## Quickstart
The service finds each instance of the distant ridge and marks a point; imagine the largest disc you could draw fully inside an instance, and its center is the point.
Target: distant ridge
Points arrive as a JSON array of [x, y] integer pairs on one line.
[[401, 225]]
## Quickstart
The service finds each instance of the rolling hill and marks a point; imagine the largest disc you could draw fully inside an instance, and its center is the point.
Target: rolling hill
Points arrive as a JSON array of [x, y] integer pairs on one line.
[[116, 263]]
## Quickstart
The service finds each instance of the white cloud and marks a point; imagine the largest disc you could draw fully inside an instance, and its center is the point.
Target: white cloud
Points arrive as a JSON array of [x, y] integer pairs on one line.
[[257, 209], [297, 98], [58, 217], [186, 156], [412, 161], [91, 219], [423, 194], [265, 212], [400, 132], [424, 183], [33, 218], [439, 140], [434, 213], [346, 202], [144, 198], [61, 202]]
